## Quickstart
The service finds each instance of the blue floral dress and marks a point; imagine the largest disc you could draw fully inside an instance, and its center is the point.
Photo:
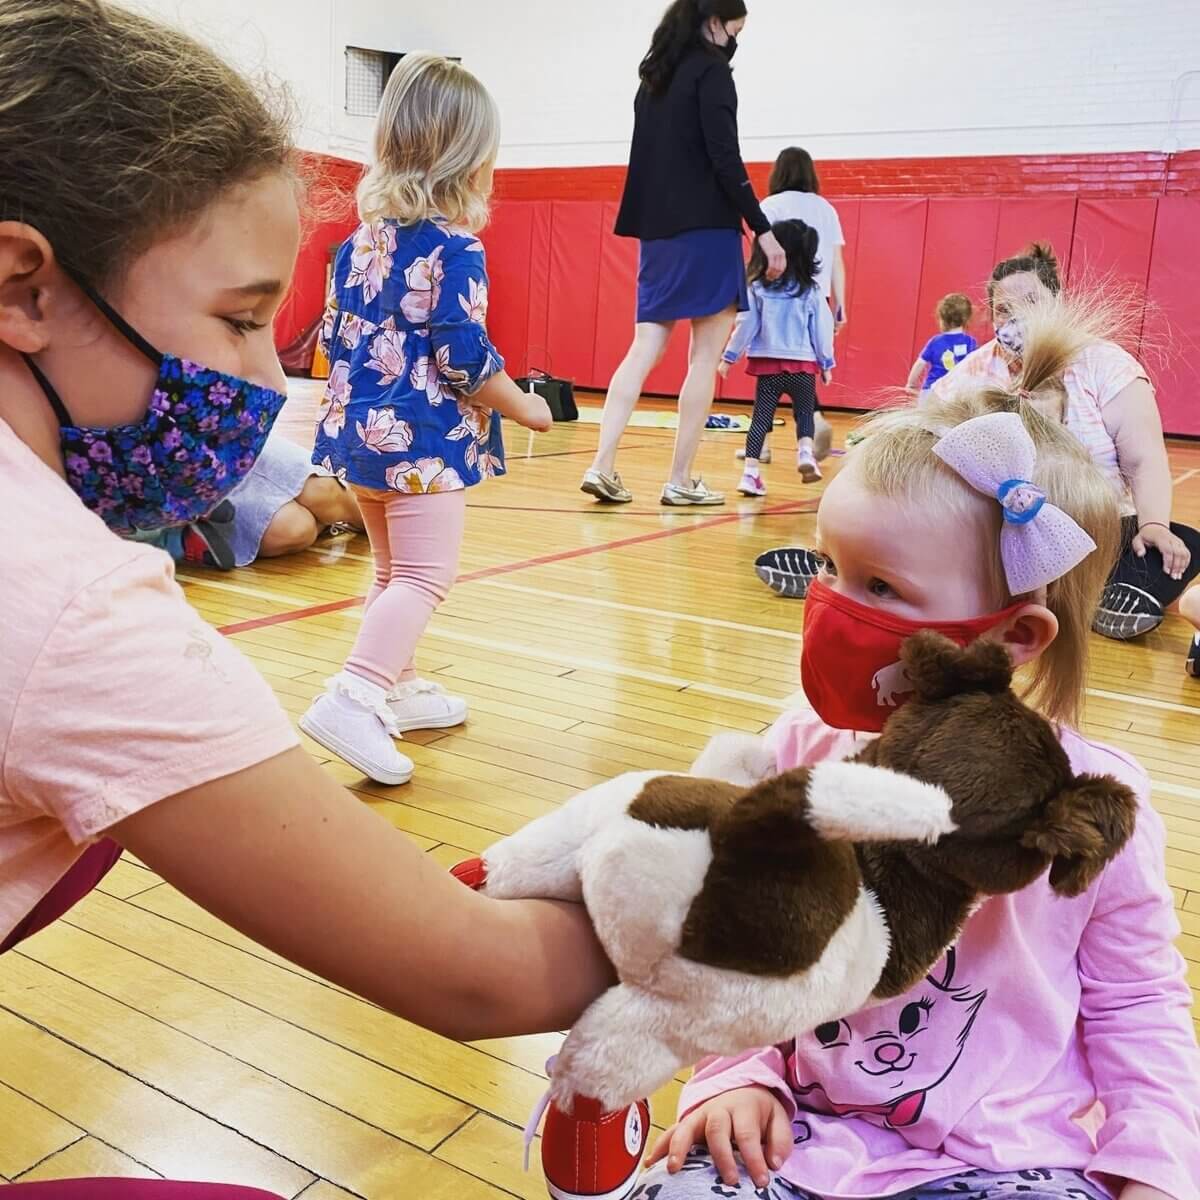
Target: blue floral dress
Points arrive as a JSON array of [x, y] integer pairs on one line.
[[405, 332]]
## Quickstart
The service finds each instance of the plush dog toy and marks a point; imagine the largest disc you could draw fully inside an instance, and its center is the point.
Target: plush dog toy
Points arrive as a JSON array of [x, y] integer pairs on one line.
[[738, 910]]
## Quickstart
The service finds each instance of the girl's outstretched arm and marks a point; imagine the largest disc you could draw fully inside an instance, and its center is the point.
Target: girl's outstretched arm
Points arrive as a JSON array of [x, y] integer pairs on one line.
[[286, 855]]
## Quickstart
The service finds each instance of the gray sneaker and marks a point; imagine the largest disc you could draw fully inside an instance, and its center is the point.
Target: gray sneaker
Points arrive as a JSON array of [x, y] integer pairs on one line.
[[698, 494], [608, 488], [1126, 612], [788, 570]]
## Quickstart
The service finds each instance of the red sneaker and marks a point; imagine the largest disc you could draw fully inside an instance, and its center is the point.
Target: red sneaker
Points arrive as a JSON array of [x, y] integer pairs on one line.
[[591, 1154], [473, 873]]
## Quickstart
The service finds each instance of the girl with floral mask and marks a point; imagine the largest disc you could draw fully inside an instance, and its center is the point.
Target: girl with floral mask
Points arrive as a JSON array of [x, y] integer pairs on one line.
[[148, 229], [411, 418], [979, 517]]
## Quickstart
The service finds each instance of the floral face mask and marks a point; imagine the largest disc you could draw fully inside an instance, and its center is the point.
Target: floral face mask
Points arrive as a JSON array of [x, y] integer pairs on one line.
[[199, 438]]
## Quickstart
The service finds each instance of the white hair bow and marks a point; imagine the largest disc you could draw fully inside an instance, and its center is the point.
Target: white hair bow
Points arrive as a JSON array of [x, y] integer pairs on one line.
[[996, 456]]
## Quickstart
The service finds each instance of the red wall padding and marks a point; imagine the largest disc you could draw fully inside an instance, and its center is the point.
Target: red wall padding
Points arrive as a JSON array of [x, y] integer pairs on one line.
[[615, 300], [563, 286], [960, 241], [331, 183], [575, 273], [876, 352], [509, 243], [1112, 246], [1025, 219], [1171, 338]]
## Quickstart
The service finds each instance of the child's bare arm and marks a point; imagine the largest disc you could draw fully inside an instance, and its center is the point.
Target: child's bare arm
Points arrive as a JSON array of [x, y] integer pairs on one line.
[[916, 377], [502, 395]]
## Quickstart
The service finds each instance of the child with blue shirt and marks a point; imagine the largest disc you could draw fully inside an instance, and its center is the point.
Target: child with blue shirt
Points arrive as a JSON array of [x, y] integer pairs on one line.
[[787, 336], [408, 419], [945, 351]]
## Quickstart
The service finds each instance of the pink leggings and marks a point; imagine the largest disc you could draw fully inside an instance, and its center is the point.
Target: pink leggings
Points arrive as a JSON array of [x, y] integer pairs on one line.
[[415, 541], [131, 1189]]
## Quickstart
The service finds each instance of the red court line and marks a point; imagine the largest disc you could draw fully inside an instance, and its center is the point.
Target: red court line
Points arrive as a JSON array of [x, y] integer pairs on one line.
[[317, 610]]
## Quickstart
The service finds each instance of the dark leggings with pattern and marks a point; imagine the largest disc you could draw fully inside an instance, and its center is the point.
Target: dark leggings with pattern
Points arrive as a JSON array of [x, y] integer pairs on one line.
[[801, 387]]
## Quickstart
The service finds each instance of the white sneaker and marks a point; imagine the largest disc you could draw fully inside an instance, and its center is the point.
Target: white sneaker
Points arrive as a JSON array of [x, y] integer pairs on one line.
[[806, 464], [353, 720], [423, 704], [698, 494], [607, 488], [752, 485]]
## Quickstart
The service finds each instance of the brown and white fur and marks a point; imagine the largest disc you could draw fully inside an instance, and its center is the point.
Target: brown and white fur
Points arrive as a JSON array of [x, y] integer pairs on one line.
[[738, 913]]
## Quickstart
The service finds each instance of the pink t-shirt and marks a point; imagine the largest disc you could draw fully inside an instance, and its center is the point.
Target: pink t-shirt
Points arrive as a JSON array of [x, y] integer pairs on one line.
[[1042, 1009], [1097, 376], [114, 694]]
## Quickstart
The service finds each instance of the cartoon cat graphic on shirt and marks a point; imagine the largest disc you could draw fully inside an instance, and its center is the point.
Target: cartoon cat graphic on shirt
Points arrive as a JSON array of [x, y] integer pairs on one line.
[[885, 1066]]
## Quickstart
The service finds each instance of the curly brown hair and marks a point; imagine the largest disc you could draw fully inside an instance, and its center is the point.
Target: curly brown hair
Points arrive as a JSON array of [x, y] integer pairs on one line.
[[954, 311], [116, 130]]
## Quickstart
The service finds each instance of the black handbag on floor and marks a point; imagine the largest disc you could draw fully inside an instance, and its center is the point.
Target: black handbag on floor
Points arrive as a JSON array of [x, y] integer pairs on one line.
[[559, 394]]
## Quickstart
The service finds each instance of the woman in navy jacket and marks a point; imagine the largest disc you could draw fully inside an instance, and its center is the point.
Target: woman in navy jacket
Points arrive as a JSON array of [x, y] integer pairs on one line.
[[686, 198]]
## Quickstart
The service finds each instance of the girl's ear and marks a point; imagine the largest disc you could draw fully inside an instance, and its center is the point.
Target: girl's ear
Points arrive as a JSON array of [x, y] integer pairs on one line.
[[26, 270], [1026, 633]]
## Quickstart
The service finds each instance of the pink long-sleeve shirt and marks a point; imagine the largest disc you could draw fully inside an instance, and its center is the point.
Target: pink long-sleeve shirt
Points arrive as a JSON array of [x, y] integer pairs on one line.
[[1055, 1033]]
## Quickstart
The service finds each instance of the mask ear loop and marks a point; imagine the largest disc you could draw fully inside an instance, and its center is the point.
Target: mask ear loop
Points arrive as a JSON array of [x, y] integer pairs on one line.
[[117, 321], [60, 409]]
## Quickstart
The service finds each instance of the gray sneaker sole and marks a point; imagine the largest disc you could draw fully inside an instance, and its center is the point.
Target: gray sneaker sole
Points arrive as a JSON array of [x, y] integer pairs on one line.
[[1126, 612], [594, 489], [792, 577], [790, 587], [707, 502]]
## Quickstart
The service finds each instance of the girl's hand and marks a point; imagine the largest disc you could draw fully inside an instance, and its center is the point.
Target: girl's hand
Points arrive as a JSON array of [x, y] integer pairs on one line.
[[776, 258], [534, 414], [1176, 555], [502, 395], [723, 369], [826, 376], [750, 1118]]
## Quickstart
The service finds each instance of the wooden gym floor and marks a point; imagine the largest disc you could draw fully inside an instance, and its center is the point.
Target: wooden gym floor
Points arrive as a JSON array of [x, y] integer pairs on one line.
[[141, 1037]]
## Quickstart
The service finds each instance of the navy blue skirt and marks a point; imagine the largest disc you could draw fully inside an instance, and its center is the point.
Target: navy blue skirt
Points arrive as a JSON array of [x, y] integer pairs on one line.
[[693, 274]]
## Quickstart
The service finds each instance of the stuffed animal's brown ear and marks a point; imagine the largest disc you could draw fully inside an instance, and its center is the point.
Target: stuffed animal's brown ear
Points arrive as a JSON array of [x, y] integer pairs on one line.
[[938, 668], [1083, 829]]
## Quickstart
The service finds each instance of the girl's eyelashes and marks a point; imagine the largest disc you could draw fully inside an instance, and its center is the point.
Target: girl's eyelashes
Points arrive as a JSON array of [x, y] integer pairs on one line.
[[882, 589], [825, 564], [243, 325]]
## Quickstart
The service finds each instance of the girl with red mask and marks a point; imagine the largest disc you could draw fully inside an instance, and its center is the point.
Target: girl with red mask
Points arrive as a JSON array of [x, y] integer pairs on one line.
[[978, 516]]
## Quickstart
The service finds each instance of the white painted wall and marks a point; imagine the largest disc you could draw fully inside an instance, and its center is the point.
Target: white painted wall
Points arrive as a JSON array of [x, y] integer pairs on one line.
[[847, 78]]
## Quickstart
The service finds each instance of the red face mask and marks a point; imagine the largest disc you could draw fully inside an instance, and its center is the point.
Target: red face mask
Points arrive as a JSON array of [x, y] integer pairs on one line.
[[850, 664]]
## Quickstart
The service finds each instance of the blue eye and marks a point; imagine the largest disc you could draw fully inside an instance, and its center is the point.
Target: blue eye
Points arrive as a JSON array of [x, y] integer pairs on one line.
[[878, 587]]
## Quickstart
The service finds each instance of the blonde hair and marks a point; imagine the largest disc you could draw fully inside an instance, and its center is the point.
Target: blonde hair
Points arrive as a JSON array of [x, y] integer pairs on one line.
[[437, 127], [896, 458]]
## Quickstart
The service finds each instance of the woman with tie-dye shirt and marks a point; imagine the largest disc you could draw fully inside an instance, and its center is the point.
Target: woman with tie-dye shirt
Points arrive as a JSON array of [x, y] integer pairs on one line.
[[1108, 403], [408, 415]]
